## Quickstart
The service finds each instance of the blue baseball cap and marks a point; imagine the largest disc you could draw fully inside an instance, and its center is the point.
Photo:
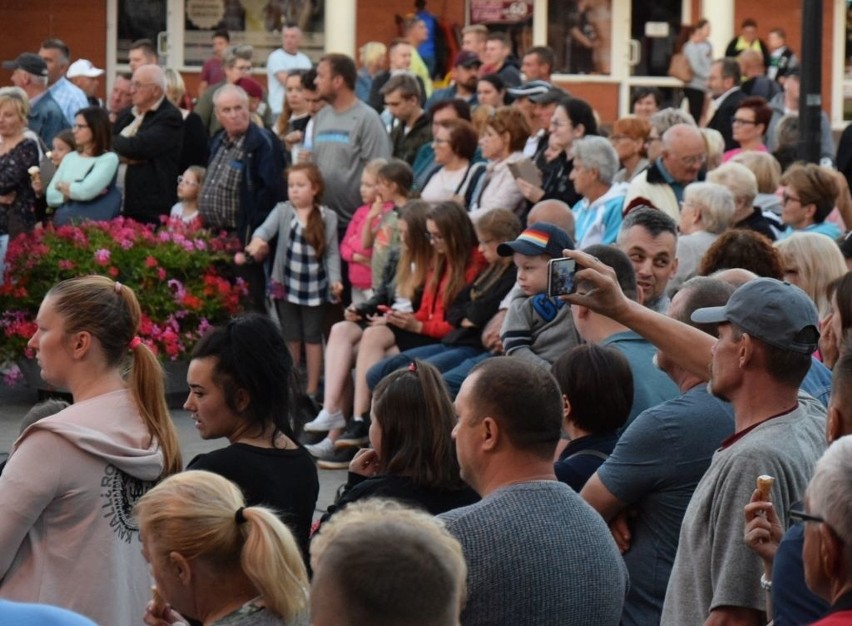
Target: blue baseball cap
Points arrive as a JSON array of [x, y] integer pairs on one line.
[[539, 238]]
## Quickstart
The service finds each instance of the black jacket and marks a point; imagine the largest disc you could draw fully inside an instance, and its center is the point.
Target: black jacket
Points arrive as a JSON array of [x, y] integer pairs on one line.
[[721, 119], [153, 157]]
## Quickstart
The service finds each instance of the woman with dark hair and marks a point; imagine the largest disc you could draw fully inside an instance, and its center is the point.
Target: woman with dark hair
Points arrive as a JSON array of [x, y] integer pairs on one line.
[[745, 249], [72, 479], [491, 91], [572, 119], [597, 393], [454, 175], [749, 124], [242, 387], [646, 101], [84, 185], [412, 458], [502, 142]]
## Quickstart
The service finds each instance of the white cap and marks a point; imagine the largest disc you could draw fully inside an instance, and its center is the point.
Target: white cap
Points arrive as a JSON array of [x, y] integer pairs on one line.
[[83, 67]]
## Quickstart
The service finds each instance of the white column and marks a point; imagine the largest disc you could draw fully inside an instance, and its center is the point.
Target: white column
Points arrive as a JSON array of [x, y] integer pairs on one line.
[[340, 17], [539, 34], [722, 27]]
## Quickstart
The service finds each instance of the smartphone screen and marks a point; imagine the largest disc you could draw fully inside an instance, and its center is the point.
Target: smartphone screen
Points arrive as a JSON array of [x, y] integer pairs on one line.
[[560, 277]]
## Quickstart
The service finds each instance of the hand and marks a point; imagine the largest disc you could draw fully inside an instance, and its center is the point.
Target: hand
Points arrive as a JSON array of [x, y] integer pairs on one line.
[[336, 289], [167, 616], [291, 139], [258, 248], [598, 287], [762, 532], [360, 259], [529, 191], [351, 314], [620, 528], [466, 323], [828, 347], [365, 463], [405, 321], [64, 188], [376, 208], [491, 335]]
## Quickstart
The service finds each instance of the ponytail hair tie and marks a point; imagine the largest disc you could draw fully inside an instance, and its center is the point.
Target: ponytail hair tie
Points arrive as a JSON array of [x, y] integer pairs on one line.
[[412, 367], [135, 343], [239, 517], [117, 287]]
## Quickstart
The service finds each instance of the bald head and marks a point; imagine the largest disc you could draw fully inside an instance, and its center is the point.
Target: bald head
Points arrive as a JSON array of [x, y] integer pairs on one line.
[[147, 87], [553, 212], [734, 276], [683, 152], [751, 63]]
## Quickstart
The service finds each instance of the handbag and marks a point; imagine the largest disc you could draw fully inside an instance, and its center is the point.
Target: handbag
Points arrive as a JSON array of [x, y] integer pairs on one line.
[[102, 208], [679, 67]]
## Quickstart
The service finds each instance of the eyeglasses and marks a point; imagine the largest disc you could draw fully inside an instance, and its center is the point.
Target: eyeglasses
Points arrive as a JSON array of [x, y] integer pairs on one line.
[[695, 159], [798, 516], [786, 197], [79, 126], [186, 181], [739, 120], [135, 84]]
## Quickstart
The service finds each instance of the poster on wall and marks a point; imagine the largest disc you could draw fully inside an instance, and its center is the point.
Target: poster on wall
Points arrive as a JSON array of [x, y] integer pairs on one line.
[[500, 11]]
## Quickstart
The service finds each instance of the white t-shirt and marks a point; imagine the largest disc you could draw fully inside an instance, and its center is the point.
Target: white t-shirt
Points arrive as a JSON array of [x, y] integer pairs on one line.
[[177, 213], [443, 184], [280, 61]]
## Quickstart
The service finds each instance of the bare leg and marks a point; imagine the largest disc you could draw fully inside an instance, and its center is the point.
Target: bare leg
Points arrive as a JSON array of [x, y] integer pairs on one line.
[[378, 342], [340, 354], [296, 352], [313, 356]]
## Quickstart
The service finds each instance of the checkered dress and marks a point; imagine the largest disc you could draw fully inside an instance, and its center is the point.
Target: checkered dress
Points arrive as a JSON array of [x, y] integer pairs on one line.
[[305, 280]]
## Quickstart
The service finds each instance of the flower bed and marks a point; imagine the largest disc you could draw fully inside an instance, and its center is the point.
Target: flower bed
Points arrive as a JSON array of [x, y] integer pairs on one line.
[[182, 276]]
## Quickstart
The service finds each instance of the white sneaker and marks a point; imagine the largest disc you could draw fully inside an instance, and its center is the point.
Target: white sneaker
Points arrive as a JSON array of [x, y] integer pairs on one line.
[[323, 448], [325, 421]]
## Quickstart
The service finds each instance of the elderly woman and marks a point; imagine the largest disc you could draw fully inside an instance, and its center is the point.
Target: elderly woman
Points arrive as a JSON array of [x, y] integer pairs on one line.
[[502, 143], [598, 213], [572, 119], [17, 155], [812, 261], [454, 175], [216, 560], [705, 213], [749, 125], [767, 171], [742, 183], [809, 196], [660, 122], [628, 137]]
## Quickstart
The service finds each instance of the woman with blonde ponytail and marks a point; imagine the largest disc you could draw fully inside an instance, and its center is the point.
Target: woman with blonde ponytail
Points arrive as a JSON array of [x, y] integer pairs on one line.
[[217, 561], [67, 536]]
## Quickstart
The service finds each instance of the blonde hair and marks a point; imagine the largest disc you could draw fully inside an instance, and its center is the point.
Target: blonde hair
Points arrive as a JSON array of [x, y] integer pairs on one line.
[[174, 85], [715, 204], [17, 97], [765, 168], [391, 564], [819, 262], [714, 146], [371, 52], [373, 167], [194, 513], [110, 312]]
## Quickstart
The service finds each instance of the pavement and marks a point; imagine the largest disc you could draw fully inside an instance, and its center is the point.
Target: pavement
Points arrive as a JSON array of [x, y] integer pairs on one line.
[[16, 401]]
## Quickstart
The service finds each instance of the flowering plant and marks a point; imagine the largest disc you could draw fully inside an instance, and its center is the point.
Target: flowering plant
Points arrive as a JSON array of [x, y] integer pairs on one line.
[[182, 276]]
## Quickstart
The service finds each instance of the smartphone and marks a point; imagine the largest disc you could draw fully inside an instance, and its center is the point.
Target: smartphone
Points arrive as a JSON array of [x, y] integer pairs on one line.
[[383, 308], [560, 277]]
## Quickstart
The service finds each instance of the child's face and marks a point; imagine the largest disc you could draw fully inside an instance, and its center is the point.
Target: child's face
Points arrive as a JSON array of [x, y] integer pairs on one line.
[[368, 188], [60, 149], [187, 186], [436, 237], [488, 246], [385, 188], [300, 190], [532, 273]]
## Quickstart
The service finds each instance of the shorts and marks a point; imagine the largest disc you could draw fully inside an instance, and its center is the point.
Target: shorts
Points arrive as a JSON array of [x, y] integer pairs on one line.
[[300, 322]]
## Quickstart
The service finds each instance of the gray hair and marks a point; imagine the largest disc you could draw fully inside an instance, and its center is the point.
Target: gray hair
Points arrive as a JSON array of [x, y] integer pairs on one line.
[[830, 490], [739, 180], [224, 90], [597, 154], [714, 202], [661, 121], [243, 51]]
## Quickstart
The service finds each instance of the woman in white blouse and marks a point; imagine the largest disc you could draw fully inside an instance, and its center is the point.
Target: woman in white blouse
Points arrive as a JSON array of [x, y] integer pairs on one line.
[[454, 175]]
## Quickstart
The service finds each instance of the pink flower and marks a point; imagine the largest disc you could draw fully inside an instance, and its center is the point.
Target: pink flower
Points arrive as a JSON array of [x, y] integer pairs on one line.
[[102, 256], [66, 264], [150, 261]]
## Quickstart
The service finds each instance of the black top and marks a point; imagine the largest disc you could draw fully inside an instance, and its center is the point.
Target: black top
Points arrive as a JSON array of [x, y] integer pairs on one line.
[[758, 222], [196, 143], [582, 458], [402, 488], [285, 480]]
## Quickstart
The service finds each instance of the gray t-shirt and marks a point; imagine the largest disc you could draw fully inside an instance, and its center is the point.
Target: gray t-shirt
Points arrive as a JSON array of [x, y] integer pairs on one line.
[[713, 566], [655, 467], [343, 144], [538, 554]]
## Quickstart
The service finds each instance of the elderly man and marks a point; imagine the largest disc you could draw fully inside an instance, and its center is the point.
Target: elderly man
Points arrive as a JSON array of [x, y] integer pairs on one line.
[[828, 532], [649, 238], [244, 178], [347, 136], [755, 80], [29, 72], [767, 333], [683, 154], [377, 562], [399, 62], [281, 62], [87, 77], [531, 542], [148, 139], [69, 97], [689, 428], [724, 84]]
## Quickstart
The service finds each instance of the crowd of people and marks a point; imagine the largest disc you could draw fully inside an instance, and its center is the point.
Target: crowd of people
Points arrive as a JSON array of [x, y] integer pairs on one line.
[[582, 458]]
